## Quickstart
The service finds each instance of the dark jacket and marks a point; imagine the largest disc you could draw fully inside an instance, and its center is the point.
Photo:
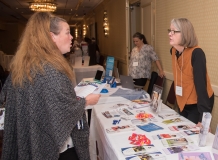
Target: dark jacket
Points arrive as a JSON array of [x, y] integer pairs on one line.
[[40, 117]]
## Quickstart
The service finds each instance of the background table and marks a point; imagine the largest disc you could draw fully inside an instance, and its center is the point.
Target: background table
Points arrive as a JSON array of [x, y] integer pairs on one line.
[[109, 145], [86, 72]]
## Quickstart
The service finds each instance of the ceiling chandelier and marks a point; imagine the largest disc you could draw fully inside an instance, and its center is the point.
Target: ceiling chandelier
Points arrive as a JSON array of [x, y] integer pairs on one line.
[[43, 5]]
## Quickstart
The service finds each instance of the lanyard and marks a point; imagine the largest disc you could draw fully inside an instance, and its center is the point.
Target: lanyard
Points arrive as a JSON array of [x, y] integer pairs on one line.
[[181, 67]]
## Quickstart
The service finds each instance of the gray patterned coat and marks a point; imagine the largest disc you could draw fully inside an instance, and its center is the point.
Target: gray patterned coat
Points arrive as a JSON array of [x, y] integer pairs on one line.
[[41, 116]]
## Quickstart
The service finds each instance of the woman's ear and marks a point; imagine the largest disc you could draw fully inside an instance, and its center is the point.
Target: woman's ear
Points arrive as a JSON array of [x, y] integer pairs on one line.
[[53, 36]]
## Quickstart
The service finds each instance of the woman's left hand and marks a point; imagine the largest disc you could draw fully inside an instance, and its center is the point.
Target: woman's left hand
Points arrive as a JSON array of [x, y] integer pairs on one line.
[[161, 74], [201, 126]]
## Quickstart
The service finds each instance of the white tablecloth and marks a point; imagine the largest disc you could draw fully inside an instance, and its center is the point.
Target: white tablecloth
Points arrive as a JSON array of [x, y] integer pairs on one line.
[[86, 72], [109, 145]]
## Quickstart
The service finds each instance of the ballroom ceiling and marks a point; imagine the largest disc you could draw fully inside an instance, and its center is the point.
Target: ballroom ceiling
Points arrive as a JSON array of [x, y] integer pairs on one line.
[[73, 11]]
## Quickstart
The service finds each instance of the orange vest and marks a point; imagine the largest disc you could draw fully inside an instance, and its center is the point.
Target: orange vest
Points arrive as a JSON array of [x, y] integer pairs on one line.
[[189, 95]]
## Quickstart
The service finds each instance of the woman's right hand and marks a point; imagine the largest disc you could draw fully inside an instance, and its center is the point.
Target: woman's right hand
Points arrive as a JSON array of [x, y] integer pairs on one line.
[[92, 99]]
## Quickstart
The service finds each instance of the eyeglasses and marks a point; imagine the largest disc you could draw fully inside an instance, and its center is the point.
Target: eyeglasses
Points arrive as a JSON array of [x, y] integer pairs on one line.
[[172, 31]]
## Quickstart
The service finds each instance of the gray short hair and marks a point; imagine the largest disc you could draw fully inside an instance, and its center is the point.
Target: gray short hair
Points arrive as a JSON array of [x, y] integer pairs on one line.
[[188, 36]]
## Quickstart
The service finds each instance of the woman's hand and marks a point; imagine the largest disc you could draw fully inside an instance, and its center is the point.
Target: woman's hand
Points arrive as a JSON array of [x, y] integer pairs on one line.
[[92, 99], [201, 126], [161, 74]]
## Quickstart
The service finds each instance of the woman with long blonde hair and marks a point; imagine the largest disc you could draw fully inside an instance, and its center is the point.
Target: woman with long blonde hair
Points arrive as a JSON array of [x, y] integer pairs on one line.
[[42, 110]]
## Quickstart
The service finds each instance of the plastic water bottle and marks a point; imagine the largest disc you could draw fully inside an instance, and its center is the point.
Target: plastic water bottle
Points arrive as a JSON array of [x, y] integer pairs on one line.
[[206, 119]]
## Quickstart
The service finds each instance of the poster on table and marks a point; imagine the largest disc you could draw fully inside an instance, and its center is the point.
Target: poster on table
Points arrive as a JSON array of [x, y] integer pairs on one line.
[[109, 67]]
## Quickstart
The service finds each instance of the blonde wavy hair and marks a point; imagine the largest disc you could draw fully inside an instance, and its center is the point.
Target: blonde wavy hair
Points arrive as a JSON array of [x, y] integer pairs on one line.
[[36, 49]]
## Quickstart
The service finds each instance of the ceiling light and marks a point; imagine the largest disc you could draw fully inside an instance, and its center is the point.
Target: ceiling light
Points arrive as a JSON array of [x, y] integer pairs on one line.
[[43, 5]]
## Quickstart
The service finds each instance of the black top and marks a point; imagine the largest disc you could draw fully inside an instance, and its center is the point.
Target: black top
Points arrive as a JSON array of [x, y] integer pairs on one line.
[[198, 61]]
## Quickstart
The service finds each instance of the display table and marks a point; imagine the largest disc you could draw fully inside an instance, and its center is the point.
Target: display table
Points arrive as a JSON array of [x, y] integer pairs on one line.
[[110, 144], [86, 72]]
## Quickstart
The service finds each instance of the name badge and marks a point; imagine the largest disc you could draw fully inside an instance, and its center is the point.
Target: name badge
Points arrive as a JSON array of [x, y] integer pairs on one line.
[[178, 90], [135, 64]]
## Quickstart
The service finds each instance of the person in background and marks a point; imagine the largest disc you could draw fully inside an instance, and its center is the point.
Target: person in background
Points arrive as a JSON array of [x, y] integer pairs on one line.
[[193, 89], [141, 58], [97, 50], [92, 49], [84, 46], [76, 52], [44, 119]]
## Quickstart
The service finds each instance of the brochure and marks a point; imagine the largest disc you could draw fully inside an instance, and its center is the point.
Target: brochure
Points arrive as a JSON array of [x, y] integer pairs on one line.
[[142, 103], [119, 105], [139, 149], [168, 115], [183, 127], [215, 156], [192, 132], [150, 127], [195, 156], [121, 128], [149, 156], [178, 149], [215, 142], [84, 90], [164, 136], [109, 66], [156, 101], [176, 142], [107, 114], [175, 120]]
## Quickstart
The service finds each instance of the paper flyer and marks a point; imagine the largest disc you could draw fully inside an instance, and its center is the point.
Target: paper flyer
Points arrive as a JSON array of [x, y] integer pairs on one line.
[[138, 149], [176, 142], [156, 102], [194, 156], [179, 149], [167, 135], [182, 127], [174, 120], [120, 128], [155, 155]]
